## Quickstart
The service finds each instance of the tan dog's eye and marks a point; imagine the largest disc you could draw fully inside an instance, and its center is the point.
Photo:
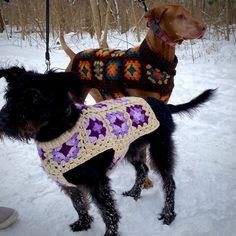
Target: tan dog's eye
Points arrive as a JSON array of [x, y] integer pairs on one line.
[[181, 17]]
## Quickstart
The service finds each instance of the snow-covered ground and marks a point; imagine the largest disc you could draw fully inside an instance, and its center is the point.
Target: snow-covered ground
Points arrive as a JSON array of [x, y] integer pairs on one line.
[[206, 153]]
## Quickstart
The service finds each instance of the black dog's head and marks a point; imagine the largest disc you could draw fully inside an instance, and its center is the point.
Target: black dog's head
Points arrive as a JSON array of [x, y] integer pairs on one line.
[[35, 101]]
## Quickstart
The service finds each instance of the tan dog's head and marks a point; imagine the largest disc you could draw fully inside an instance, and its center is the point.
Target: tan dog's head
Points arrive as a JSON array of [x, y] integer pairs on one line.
[[177, 22]]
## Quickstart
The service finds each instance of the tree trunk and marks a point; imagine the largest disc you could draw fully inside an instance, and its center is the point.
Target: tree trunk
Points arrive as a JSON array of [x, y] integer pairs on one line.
[[104, 43], [21, 20], [227, 20], [96, 19], [1, 22], [136, 22]]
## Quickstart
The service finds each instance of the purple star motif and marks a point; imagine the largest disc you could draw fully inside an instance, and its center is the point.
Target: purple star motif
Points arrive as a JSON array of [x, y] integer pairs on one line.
[[118, 123], [137, 115], [95, 129], [67, 150]]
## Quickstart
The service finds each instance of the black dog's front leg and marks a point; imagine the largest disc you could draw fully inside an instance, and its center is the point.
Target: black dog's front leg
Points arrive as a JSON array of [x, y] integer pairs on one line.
[[102, 196], [79, 199], [141, 174]]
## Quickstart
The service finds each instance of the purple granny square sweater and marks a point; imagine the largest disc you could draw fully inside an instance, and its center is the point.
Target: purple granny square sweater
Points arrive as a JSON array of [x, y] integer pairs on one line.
[[112, 124]]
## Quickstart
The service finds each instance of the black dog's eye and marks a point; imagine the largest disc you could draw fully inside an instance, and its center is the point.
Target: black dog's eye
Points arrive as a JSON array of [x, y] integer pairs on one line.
[[35, 98], [21, 117], [32, 96]]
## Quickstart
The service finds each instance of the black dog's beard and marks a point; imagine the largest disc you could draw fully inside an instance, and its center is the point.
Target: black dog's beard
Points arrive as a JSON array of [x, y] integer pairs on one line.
[[22, 133], [29, 131]]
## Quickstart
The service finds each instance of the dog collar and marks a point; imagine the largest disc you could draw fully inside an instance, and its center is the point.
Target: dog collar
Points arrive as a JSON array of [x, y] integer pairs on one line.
[[154, 26]]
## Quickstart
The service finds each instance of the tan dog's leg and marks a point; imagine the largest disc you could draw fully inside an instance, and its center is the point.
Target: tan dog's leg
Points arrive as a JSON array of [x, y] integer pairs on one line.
[[96, 95], [69, 67]]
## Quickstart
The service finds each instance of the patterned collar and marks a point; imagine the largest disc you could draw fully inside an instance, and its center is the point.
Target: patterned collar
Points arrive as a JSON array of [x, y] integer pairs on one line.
[[154, 26]]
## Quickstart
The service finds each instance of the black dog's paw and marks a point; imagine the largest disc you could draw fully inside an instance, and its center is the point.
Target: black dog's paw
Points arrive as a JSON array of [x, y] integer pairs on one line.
[[111, 233], [167, 217], [82, 224], [134, 194]]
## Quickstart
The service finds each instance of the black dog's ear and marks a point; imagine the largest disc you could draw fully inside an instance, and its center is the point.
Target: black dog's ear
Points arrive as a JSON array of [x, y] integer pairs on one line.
[[62, 75], [67, 79], [12, 73]]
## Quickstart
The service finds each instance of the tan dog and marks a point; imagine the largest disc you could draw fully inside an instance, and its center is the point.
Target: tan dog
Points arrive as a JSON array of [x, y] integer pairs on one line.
[[168, 25], [178, 25]]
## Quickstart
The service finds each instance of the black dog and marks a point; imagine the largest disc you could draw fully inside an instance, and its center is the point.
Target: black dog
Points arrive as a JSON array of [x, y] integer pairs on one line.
[[38, 107]]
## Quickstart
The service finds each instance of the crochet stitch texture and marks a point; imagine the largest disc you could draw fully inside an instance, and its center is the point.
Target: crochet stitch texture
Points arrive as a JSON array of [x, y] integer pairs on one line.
[[138, 68], [112, 124]]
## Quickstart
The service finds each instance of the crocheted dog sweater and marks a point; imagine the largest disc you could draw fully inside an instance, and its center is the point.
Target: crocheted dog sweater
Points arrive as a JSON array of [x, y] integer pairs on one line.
[[112, 124], [111, 71]]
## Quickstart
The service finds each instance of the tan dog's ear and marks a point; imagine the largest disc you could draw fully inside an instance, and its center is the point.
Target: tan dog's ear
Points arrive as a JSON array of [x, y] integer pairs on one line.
[[156, 13]]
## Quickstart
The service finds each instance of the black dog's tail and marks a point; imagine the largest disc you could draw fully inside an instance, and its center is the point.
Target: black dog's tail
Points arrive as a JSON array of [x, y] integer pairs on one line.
[[194, 103]]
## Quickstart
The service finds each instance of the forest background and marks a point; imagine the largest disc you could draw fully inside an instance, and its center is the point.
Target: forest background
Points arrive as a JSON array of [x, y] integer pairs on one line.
[[97, 17]]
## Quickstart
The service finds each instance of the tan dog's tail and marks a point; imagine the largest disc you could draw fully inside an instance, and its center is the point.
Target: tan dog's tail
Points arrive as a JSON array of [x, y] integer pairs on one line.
[[65, 47]]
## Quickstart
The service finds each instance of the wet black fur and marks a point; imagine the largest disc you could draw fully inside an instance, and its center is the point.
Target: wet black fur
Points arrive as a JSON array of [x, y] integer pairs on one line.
[[38, 106]]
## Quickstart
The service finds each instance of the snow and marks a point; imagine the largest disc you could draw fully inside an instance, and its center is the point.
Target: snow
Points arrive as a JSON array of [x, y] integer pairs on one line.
[[206, 163]]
